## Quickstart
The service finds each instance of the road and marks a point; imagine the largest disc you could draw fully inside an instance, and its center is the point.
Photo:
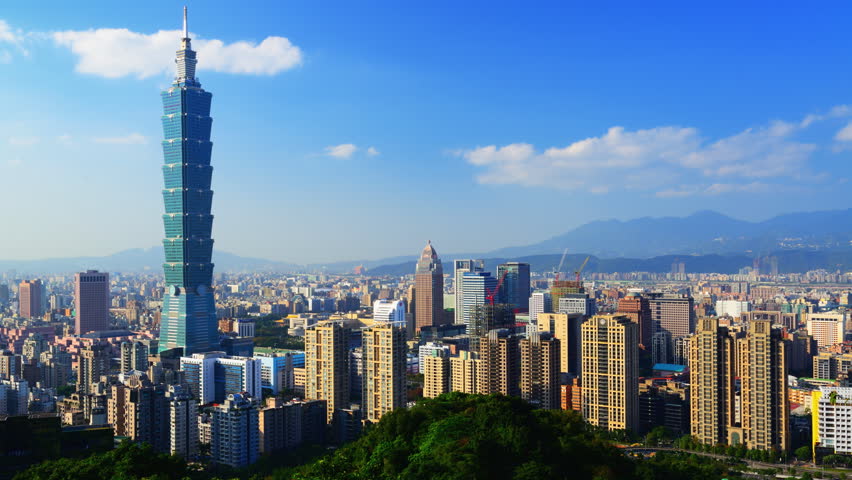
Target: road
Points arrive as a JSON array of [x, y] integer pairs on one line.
[[813, 470]]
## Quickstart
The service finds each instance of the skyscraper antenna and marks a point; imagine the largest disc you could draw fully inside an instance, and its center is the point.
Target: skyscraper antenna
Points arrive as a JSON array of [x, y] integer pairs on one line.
[[185, 30]]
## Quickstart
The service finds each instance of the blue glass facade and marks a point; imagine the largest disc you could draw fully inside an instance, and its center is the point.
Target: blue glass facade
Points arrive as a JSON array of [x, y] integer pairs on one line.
[[189, 312]]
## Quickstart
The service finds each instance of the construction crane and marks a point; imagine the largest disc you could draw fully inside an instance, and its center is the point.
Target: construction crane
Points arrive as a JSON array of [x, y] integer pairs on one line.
[[490, 296], [559, 268], [580, 270]]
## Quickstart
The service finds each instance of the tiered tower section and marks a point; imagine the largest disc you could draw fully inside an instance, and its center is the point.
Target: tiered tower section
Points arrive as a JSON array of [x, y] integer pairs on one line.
[[189, 311]]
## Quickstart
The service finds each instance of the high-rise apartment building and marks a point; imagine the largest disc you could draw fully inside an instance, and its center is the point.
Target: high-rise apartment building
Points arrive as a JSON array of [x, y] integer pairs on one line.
[[467, 373], [281, 425], [189, 312], [429, 289], [436, 373], [460, 268], [567, 329], [384, 371], [134, 356], [831, 408], [638, 309], [764, 394], [515, 289], [501, 363], [235, 432], [91, 302], [30, 293], [539, 375], [92, 362], [711, 355], [327, 366], [183, 422], [610, 372]]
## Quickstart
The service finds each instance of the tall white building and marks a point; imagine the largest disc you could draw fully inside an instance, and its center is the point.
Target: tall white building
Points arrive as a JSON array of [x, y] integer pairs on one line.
[[832, 411], [14, 396], [276, 369], [732, 308], [460, 268], [183, 422], [539, 303], [390, 312], [235, 432], [826, 328]]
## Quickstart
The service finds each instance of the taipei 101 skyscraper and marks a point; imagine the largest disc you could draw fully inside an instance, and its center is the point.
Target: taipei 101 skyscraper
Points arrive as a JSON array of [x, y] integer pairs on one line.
[[189, 312]]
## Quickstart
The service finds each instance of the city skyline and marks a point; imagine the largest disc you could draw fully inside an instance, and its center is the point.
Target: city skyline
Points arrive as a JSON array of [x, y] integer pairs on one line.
[[785, 134]]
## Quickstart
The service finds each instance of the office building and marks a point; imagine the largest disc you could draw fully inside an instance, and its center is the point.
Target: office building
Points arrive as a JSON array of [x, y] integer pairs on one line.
[[671, 313], [764, 393], [460, 267], [515, 289], [826, 328], [638, 310], [711, 353], [391, 312], [277, 370], [235, 432], [384, 371], [189, 311], [501, 363], [477, 286], [539, 303], [91, 302], [30, 293], [487, 317], [577, 303], [212, 376], [539, 374], [327, 366], [429, 289], [610, 372]]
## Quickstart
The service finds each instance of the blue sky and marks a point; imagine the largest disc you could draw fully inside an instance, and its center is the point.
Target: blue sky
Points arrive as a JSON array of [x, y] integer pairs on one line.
[[491, 124]]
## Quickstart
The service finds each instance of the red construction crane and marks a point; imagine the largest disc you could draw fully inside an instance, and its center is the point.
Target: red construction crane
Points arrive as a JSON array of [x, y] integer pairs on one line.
[[490, 296]]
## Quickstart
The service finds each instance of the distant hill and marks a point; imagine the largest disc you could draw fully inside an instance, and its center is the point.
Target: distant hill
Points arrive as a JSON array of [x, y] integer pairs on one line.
[[139, 260], [701, 233]]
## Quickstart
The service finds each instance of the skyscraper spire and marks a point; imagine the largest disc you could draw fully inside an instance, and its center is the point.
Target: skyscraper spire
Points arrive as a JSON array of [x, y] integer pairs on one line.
[[186, 59]]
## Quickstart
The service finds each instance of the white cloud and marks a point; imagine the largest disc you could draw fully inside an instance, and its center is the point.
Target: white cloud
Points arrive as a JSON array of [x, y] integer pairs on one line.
[[10, 36], [845, 133], [344, 150], [372, 151], [23, 141], [835, 112], [119, 52], [719, 189], [64, 139], [648, 159], [131, 139]]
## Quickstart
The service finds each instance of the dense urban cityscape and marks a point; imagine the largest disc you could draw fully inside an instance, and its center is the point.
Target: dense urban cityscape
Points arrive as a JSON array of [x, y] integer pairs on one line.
[[381, 372]]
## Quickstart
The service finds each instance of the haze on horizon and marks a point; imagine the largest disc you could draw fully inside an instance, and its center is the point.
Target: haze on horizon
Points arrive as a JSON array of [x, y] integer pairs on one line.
[[346, 132]]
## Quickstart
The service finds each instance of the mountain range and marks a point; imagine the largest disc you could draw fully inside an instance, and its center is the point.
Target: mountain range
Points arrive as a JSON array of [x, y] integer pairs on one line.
[[820, 239]]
